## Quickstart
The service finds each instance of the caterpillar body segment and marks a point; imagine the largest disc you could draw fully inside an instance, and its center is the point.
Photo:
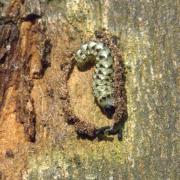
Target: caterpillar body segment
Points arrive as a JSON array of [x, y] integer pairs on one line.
[[103, 77]]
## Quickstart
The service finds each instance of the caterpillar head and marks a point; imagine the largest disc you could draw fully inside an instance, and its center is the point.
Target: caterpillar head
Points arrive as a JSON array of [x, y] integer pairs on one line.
[[107, 105]]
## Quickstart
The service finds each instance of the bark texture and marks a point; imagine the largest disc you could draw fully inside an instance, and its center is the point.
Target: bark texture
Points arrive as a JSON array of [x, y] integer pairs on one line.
[[36, 38]]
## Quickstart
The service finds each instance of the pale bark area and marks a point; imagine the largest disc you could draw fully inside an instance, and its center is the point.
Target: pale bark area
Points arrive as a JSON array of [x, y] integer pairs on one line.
[[149, 41]]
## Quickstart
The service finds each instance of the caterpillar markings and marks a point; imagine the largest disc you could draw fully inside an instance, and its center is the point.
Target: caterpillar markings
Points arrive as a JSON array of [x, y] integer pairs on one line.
[[103, 77]]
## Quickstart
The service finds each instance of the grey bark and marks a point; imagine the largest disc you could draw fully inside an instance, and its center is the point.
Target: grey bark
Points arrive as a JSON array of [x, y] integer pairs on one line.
[[149, 40]]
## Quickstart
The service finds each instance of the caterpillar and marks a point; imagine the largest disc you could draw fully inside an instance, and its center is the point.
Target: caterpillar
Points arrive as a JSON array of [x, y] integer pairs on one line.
[[108, 85], [103, 78]]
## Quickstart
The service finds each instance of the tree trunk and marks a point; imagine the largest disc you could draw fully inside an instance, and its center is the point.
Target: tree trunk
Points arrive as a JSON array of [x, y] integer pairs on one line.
[[36, 39]]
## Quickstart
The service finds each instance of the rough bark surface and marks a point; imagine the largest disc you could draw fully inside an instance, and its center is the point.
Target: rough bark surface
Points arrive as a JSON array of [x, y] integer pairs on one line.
[[36, 38]]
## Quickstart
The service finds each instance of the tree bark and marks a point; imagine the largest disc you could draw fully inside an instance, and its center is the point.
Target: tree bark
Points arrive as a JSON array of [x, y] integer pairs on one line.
[[36, 38]]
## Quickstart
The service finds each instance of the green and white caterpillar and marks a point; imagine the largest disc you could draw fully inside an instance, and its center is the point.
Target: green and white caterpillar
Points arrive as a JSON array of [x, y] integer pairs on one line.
[[103, 78]]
